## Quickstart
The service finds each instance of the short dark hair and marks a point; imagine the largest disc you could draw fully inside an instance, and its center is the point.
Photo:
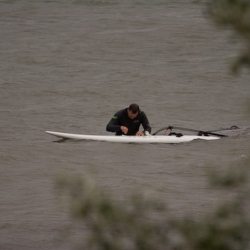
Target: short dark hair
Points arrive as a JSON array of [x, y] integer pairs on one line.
[[134, 108]]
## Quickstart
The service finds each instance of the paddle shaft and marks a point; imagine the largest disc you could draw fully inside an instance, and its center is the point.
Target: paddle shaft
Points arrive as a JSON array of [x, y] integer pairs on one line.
[[191, 130]]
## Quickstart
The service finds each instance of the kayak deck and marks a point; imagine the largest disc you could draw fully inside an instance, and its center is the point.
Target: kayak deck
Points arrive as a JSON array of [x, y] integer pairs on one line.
[[133, 139]]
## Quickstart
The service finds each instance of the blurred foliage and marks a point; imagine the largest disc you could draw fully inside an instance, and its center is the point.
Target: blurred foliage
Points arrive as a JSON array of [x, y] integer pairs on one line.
[[114, 225], [142, 224], [234, 14], [226, 229]]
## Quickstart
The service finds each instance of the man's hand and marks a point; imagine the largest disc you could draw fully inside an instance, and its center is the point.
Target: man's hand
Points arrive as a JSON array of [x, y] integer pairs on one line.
[[139, 133], [124, 130]]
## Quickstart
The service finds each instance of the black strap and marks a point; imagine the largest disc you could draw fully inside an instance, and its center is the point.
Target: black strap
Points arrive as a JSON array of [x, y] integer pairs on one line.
[[176, 134]]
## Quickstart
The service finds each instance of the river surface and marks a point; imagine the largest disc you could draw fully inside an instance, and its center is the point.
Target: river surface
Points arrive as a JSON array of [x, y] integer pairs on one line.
[[70, 65]]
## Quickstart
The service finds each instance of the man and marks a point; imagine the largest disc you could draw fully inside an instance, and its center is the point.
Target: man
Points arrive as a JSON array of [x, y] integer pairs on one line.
[[127, 121]]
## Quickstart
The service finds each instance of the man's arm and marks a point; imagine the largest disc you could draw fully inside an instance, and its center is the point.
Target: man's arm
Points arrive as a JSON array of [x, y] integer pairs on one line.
[[113, 125]]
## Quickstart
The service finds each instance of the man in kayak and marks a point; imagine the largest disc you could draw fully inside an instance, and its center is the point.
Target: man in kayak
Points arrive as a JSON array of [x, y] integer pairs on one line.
[[127, 121]]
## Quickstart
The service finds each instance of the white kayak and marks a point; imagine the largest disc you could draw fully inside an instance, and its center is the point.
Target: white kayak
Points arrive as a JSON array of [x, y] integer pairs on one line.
[[133, 139]]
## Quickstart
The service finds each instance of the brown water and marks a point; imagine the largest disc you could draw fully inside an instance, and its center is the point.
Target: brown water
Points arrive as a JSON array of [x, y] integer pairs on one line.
[[70, 65]]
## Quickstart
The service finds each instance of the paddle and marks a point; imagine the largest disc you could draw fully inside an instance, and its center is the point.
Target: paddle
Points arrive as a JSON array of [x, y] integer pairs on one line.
[[200, 132]]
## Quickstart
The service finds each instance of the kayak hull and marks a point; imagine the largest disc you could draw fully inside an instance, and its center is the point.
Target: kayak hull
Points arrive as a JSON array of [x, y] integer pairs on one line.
[[133, 139]]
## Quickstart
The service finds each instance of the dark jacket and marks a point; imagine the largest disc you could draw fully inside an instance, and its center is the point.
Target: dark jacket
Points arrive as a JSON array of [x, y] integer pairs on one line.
[[121, 118]]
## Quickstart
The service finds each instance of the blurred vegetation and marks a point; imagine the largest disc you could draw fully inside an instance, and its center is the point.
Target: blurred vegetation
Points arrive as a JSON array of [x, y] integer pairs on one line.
[[235, 15], [111, 224], [228, 227], [140, 224], [143, 224]]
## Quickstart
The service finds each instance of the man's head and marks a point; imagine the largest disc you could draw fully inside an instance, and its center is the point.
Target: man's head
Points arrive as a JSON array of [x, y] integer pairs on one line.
[[133, 110]]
